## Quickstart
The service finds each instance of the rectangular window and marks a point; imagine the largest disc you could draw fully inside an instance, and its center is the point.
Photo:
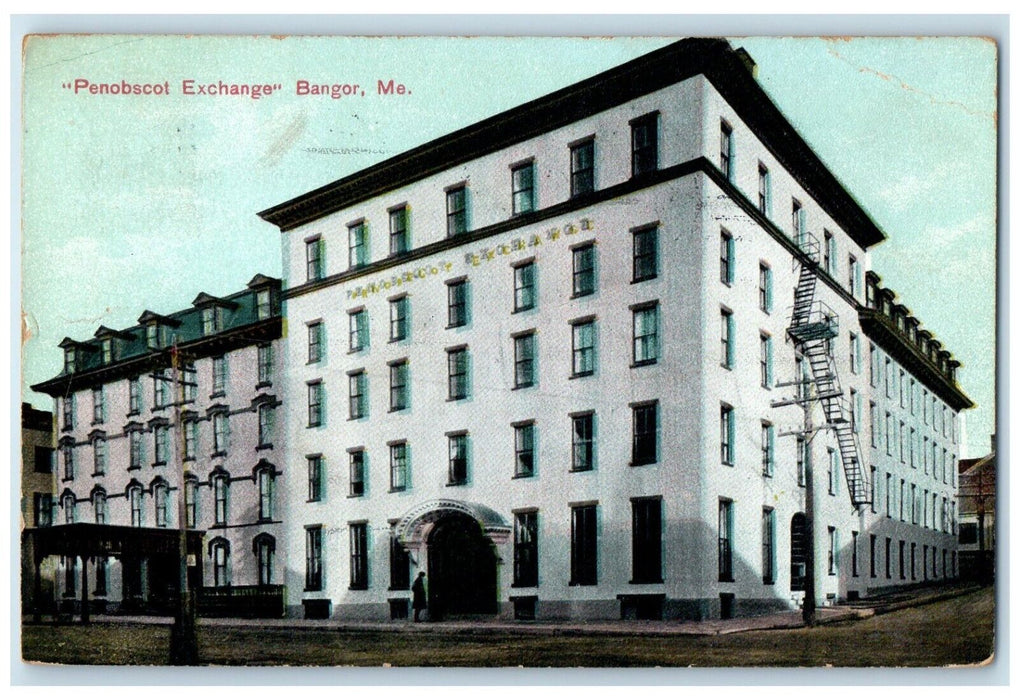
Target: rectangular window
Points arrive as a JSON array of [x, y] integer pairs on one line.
[[854, 536], [315, 478], [726, 261], [872, 551], [313, 558], [583, 445], [765, 360], [833, 551], [398, 466], [134, 396], [726, 338], [456, 304], [584, 270], [43, 460], [266, 425], [456, 211], [768, 449], [524, 449], [765, 288], [644, 144], [725, 539], [458, 451], [315, 342], [833, 472], [99, 456], [524, 287], [190, 439], [189, 382], [314, 259], [764, 191], [583, 545], [727, 434], [357, 473], [646, 540], [398, 319], [357, 245], [359, 556], [646, 335], [768, 545], [265, 360], [43, 509], [582, 168], [829, 254], [726, 151], [903, 393], [888, 557], [913, 456], [190, 502], [583, 339], [357, 326], [160, 389], [855, 411], [798, 220], [522, 181], [70, 361], [645, 444], [137, 450], [98, 406], [855, 353], [267, 487], [263, 304], [212, 320], [315, 404], [220, 486], [161, 444], [400, 565], [874, 489], [457, 365], [153, 336], [358, 395], [524, 360], [219, 375], [854, 281], [399, 240], [646, 254], [525, 549], [398, 386]]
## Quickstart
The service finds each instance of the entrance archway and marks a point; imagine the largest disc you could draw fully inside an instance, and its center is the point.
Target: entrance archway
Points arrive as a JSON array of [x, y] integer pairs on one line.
[[462, 569]]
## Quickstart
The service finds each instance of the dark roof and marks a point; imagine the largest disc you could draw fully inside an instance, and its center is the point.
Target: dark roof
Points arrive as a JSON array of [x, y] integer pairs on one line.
[[131, 354], [728, 70], [34, 419]]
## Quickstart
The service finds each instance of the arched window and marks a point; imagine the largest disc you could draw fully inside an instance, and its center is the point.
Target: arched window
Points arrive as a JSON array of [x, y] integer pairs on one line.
[[67, 503], [219, 553], [99, 506], [191, 500], [221, 488], [134, 496], [161, 502], [264, 546]]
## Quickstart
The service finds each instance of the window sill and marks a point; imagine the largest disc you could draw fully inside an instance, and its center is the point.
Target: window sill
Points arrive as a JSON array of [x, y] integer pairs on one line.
[[455, 325], [583, 583], [523, 476], [188, 458], [95, 474], [578, 375], [264, 446], [98, 422], [355, 351], [217, 455], [134, 467], [524, 585], [643, 464], [355, 495], [397, 340], [580, 295], [644, 363], [263, 385], [66, 479], [314, 500], [313, 589], [456, 398], [357, 417], [768, 582], [523, 309], [399, 588], [397, 409], [398, 489], [727, 464], [217, 395], [314, 425], [523, 386], [457, 483], [727, 579], [649, 581], [159, 464], [581, 471], [358, 587]]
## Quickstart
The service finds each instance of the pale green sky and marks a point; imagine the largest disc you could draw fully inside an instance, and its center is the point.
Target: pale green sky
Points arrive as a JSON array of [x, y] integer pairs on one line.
[[134, 203]]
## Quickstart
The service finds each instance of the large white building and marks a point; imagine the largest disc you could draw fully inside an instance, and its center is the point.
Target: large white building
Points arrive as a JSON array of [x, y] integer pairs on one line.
[[545, 359], [121, 402]]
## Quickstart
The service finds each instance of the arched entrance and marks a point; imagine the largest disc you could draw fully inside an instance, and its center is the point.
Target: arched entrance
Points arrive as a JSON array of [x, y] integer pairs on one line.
[[454, 542], [798, 552], [462, 569]]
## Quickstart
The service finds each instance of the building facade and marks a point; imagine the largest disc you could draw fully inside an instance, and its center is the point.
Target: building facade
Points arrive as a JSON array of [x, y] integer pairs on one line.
[[602, 355], [37, 489], [977, 517], [188, 399]]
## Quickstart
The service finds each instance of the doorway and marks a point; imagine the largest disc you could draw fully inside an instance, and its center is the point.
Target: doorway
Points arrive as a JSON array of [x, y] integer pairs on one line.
[[462, 569]]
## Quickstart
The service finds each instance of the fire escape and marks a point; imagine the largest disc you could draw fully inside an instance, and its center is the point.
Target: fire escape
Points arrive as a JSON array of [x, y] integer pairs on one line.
[[812, 328]]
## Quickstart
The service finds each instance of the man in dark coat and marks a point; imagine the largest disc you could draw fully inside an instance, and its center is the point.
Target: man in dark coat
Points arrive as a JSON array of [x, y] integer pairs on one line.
[[418, 588]]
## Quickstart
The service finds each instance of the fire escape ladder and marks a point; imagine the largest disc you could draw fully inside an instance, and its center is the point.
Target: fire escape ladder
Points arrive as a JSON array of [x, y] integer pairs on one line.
[[812, 327]]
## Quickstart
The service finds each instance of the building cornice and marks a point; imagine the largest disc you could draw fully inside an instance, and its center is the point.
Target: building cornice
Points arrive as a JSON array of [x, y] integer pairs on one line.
[[724, 67]]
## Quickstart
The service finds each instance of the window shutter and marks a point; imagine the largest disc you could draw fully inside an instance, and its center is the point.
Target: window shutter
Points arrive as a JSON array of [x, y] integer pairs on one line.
[[730, 340], [733, 158]]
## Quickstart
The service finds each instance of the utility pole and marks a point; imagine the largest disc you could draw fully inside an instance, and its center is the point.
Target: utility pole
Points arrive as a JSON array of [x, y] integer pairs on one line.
[[183, 633], [808, 611]]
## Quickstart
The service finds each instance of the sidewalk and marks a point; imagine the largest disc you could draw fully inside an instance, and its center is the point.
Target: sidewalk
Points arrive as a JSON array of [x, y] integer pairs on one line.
[[665, 628]]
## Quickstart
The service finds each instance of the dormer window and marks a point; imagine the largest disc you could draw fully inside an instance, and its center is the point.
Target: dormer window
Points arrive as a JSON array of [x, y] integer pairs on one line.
[[153, 336], [212, 320], [107, 350], [262, 304], [70, 360]]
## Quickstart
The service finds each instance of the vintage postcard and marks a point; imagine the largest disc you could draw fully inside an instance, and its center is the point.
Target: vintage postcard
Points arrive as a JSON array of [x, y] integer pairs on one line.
[[438, 351]]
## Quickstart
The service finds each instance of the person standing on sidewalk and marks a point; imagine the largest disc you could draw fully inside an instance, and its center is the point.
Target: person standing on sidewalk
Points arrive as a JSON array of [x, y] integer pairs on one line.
[[418, 589]]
